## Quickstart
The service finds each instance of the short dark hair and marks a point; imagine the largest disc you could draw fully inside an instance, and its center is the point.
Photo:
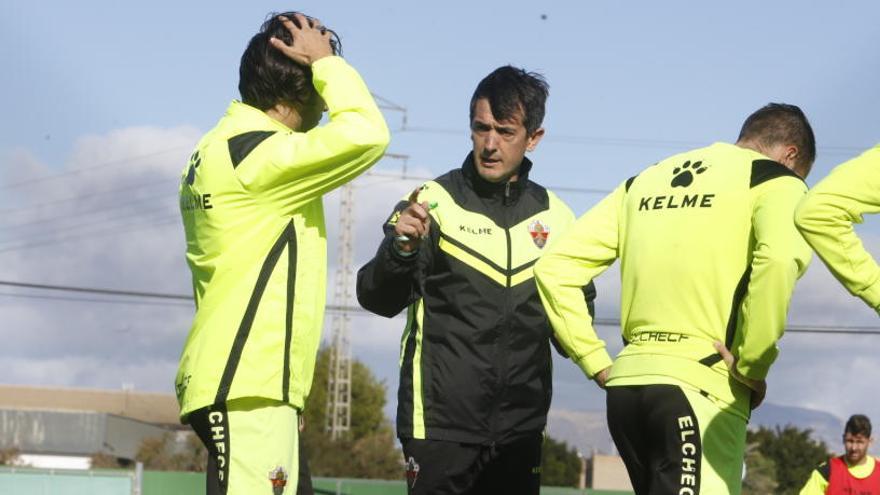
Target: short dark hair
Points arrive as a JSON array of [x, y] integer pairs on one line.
[[268, 77], [779, 123], [509, 90], [858, 424]]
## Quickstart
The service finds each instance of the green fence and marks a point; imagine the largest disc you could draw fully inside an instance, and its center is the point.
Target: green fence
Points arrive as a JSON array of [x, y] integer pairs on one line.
[[26, 481], [173, 483], [346, 486], [29, 481]]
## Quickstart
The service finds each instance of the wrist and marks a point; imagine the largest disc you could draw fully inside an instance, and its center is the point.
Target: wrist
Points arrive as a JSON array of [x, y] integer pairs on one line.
[[400, 247]]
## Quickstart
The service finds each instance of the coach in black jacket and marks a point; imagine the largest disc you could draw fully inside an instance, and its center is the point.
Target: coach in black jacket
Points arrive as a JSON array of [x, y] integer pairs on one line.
[[475, 367]]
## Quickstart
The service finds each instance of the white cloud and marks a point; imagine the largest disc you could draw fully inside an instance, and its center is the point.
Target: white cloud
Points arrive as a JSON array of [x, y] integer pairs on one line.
[[109, 219]]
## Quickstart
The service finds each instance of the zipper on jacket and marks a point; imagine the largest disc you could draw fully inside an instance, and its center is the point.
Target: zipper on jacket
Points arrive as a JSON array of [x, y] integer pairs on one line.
[[501, 361]]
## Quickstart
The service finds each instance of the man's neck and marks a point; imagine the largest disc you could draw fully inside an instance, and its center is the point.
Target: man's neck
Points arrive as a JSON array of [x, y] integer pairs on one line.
[[286, 115], [862, 462]]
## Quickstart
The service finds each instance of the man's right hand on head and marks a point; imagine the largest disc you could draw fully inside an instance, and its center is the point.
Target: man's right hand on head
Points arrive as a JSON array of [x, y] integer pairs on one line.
[[413, 224], [310, 41]]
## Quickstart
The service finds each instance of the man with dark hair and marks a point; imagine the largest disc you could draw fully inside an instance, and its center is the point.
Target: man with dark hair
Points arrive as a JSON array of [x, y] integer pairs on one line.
[[251, 201], [475, 367], [854, 472], [776, 123], [709, 258], [826, 216]]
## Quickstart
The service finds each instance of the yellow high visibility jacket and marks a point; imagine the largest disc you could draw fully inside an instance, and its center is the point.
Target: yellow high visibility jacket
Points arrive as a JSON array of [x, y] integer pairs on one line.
[[708, 251], [826, 215], [251, 203]]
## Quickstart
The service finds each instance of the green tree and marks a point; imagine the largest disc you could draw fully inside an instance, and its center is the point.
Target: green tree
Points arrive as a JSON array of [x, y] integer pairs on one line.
[[560, 464], [793, 451], [369, 450], [165, 454], [760, 473], [107, 461], [161, 453], [9, 456]]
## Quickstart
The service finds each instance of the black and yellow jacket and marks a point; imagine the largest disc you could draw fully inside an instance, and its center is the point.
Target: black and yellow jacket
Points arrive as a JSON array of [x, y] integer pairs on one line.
[[708, 252], [475, 364]]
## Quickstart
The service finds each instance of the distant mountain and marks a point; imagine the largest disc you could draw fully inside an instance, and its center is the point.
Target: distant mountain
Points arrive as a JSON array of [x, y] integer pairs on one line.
[[826, 426], [587, 430]]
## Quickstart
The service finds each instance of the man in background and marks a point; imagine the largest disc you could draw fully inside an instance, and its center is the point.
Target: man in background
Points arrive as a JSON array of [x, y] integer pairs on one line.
[[853, 473]]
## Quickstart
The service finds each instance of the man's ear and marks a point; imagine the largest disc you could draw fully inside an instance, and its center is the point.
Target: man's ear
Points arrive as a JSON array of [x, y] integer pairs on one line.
[[535, 138], [791, 153]]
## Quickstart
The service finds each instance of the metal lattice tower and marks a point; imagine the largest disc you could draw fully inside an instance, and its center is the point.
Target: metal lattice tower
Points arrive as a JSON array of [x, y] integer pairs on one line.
[[339, 376]]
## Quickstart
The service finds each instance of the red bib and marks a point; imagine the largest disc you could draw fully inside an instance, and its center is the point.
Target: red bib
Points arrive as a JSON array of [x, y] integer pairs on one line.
[[841, 482]]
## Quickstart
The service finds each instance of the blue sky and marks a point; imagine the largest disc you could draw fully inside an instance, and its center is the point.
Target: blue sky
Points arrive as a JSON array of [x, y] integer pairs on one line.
[[118, 93]]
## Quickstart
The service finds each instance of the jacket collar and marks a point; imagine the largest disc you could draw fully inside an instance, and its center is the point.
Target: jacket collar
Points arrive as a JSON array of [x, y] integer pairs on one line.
[[509, 191], [253, 117]]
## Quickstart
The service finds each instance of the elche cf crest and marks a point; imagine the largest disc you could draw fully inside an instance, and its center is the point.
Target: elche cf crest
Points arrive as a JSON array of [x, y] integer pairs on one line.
[[278, 478], [412, 472], [539, 232]]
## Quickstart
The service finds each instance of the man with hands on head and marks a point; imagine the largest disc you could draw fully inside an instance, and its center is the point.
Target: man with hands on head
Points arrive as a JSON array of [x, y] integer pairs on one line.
[[251, 202], [709, 258], [475, 365]]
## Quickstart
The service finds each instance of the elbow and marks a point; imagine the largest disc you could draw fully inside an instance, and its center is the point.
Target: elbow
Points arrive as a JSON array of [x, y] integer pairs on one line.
[[815, 215], [547, 272], [781, 266], [374, 303], [374, 141], [540, 269], [782, 262], [376, 135], [805, 215]]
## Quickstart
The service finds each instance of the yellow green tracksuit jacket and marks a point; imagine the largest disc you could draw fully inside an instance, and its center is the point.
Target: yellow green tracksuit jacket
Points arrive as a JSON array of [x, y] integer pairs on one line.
[[256, 244], [708, 251], [826, 215]]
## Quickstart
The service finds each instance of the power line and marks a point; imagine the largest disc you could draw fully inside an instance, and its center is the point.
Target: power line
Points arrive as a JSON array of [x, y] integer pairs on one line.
[[122, 213], [407, 177], [92, 300], [602, 322], [113, 225], [614, 141], [138, 186], [91, 290], [113, 230], [88, 169], [86, 196]]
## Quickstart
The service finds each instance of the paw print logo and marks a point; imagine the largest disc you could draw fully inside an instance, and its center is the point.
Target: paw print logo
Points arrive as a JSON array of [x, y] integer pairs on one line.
[[194, 161], [683, 176]]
